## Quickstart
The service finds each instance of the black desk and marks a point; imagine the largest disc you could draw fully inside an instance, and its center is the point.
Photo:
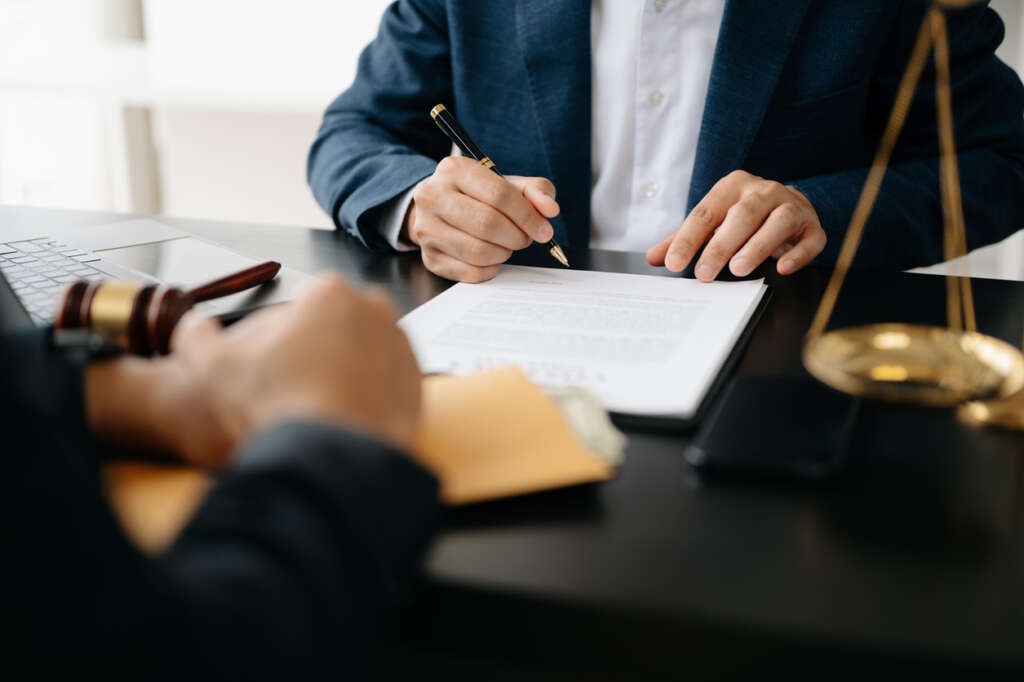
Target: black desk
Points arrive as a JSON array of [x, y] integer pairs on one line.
[[915, 556]]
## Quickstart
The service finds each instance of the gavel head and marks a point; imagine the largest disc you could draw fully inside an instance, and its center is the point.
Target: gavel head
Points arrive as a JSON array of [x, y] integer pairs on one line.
[[139, 317]]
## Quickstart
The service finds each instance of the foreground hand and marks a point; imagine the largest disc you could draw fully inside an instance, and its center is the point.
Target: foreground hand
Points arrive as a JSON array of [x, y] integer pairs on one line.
[[747, 219], [468, 220], [155, 405], [333, 354]]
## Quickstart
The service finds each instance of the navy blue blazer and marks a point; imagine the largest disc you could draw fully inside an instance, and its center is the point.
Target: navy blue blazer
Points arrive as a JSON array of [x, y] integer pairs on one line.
[[800, 91]]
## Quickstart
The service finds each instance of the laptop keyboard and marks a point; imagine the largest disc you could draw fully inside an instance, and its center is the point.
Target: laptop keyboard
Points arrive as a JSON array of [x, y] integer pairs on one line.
[[38, 269]]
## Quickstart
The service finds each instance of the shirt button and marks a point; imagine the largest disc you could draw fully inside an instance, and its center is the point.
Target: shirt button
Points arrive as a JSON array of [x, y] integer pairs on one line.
[[651, 189], [660, 5], [656, 98]]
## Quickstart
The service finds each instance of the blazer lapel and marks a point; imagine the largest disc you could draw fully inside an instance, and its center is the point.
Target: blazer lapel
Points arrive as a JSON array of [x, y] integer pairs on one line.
[[555, 41], [753, 45]]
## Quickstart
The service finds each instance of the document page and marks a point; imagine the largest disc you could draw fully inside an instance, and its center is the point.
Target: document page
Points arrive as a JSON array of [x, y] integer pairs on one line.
[[646, 345]]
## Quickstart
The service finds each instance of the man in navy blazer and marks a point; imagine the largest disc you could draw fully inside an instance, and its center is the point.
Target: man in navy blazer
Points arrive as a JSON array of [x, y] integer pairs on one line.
[[797, 97]]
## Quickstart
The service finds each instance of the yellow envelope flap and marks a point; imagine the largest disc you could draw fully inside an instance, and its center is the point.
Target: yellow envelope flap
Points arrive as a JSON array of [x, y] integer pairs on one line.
[[496, 434], [154, 501]]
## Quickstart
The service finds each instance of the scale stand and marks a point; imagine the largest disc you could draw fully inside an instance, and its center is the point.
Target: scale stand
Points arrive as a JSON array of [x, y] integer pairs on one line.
[[920, 365]]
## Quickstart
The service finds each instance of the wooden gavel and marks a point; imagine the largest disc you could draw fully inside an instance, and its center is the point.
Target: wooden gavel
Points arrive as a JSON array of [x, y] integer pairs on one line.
[[141, 317]]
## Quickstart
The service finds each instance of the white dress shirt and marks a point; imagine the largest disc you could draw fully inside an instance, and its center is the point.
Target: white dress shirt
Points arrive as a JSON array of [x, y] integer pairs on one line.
[[651, 67], [651, 64]]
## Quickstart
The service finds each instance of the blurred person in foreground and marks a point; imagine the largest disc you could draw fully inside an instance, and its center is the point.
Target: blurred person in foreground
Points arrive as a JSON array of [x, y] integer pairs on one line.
[[289, 566]]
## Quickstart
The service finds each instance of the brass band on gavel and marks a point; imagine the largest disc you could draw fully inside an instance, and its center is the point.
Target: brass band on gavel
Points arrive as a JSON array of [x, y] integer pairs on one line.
[[141, 317]]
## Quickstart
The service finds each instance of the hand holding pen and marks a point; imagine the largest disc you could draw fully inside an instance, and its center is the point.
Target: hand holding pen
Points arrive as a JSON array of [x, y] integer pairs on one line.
[[468, 220]]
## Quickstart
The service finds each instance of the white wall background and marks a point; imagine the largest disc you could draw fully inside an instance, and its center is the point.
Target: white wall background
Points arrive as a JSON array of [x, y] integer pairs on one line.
[[203, 108], [197, 108]]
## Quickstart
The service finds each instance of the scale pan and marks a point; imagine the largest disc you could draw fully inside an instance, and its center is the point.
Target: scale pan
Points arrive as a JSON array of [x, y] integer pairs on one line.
[[932, 366]]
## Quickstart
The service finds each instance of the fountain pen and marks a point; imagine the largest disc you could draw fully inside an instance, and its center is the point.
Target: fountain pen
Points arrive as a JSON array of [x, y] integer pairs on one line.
[[455, 132]]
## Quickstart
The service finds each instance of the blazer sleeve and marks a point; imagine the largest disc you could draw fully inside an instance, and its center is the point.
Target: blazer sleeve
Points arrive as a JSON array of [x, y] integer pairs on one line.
[[377, 140], [70, 585], [290, 567], [287, 570], [988, 102], [44, 380]]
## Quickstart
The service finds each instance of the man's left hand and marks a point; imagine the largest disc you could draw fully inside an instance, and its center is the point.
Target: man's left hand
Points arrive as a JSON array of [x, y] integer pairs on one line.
[[744, 220]]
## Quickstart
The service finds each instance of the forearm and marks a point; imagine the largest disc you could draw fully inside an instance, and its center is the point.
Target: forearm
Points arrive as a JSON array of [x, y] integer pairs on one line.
[[905, 229], [357, 193], [376, 140]]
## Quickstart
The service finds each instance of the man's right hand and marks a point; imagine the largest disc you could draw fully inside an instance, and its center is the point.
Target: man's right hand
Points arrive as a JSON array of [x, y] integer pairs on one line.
[[333, 354], [468, 220]]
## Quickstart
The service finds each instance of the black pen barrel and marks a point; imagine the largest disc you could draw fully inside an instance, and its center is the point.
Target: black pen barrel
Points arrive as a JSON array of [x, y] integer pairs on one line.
[[461, 139], [457, 134]]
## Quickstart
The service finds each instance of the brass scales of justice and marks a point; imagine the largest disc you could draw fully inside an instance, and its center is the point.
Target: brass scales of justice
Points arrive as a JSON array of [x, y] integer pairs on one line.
[[954, 366]]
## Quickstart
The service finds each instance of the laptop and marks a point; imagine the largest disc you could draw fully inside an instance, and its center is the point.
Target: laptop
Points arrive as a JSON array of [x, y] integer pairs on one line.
[[38, 261], [13, 315]]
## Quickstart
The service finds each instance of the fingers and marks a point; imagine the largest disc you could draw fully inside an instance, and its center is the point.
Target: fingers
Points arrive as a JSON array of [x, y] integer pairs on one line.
[[538, 191], [195, 332], [742, 220], [468, 215], [792, 235], [774, 238], [705, 217], [807, 249], [467, 248], [440, 232], [487, 187], [331, 287], [451, 268], [328, 282], [327, 291], [384, 305], [656, 254], [380, 301], [325, 284], [469, 220]]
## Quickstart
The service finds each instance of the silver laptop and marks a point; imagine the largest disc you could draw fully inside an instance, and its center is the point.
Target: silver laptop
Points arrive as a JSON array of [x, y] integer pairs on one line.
[[38, 261], [13, 315]]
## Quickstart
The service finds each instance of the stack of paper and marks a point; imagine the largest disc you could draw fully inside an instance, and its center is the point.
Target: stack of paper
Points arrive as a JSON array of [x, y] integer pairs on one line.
[[645, 345]]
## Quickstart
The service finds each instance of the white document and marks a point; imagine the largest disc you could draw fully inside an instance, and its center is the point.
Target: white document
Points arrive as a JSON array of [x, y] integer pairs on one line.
[[646, 345]]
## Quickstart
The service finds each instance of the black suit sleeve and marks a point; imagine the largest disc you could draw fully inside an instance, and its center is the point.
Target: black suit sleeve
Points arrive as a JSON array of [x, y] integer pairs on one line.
[[287, 569], [70, 584], [297, 555]]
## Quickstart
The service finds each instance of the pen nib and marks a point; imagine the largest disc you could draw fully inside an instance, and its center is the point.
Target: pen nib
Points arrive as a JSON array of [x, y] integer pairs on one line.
[[559, 255]]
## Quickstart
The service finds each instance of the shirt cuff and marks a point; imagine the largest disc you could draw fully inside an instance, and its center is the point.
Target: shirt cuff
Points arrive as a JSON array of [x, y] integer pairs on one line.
[[393, 217]]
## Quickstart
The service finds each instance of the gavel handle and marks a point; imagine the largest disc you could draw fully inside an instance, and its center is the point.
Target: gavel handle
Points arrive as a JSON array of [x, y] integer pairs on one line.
[[240, 281]]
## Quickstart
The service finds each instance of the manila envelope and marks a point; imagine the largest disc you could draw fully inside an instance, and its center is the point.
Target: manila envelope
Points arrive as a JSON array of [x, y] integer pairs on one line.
[[488, 435]]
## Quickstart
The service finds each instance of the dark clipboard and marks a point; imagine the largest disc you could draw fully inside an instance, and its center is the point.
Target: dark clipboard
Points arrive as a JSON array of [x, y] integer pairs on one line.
[[640, 422]]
